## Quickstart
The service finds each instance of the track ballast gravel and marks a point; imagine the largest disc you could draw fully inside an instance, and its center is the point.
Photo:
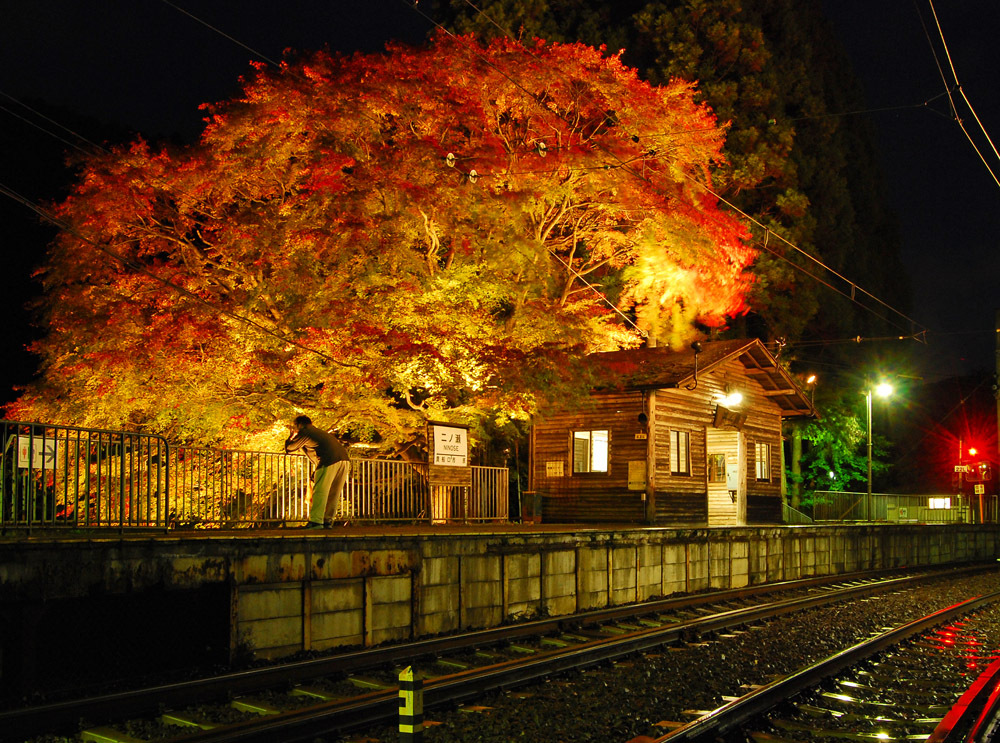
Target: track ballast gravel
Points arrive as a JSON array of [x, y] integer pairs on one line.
[[616, 703]]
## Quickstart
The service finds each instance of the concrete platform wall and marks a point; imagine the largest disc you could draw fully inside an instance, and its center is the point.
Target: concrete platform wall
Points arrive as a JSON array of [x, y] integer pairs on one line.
[[291, 592]]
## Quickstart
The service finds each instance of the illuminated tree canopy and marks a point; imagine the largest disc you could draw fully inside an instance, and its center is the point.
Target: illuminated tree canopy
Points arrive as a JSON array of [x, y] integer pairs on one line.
[[379, 240]]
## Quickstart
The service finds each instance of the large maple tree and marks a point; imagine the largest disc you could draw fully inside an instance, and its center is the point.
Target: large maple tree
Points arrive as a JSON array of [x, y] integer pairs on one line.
[[379, 240]]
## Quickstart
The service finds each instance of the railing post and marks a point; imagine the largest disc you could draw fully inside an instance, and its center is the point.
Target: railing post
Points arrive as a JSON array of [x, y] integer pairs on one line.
[[121, 486], [165, 470]]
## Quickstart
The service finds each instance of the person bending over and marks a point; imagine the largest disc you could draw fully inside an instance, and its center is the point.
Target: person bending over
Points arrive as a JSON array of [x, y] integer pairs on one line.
[[333, 465]]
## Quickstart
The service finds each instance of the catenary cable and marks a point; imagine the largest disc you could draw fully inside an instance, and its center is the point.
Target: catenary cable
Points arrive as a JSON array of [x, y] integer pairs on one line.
[[635, 173]]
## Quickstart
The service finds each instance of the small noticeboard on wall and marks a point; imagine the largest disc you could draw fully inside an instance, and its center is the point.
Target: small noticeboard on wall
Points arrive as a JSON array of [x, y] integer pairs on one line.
[[448, 455]]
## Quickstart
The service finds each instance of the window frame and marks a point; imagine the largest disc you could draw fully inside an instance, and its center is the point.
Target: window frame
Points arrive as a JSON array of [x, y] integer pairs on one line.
[[764, 446], [675, 453], [590, 451]]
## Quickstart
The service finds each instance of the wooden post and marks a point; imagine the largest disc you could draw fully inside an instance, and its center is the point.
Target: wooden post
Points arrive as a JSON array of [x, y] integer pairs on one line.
[[650, 411]]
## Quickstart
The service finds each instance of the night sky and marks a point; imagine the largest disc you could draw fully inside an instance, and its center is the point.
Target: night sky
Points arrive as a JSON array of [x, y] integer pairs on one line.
[[144, 66]]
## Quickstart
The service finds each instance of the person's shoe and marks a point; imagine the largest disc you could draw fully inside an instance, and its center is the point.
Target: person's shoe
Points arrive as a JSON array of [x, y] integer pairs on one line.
[[314, 525], [327, 524]]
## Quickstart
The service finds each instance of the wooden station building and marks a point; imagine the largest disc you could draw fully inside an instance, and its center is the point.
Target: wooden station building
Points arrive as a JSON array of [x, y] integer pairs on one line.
[[667, 437]]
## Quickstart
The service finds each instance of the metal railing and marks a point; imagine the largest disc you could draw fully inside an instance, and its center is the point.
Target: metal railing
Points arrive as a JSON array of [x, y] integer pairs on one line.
[[791, 515], [229, 488], [839, 506], [383, 490], [65, 476]]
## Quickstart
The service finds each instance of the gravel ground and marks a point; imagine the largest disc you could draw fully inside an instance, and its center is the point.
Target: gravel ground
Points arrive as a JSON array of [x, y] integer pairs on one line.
[[615, 703]]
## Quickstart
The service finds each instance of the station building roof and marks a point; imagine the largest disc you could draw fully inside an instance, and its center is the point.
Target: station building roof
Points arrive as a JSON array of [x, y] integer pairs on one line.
[[662, 367]]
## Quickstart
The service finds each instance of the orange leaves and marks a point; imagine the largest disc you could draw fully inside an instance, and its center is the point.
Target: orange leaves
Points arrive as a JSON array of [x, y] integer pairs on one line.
[[433, 232]]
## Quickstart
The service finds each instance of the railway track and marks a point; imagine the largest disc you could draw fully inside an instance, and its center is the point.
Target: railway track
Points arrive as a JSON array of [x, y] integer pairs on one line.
[[308, 699], [933, 679]]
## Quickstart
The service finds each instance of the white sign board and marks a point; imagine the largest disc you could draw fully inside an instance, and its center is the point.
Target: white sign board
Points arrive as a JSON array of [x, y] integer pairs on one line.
[[43, 452], [451, 446], [980, 489]]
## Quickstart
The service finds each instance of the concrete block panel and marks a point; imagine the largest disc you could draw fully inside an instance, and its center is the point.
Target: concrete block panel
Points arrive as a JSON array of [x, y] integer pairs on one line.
[[389, 635], [270, 634], [337, 595], [437, 599], [650, 581], [291, 567], [524, 590], [561, 562], [718, 564], [383, 562], [523, 565], [559, 587], [560, 605], [698, 566], [394, 618], [487, 616], [191, 572], [252, 569], [482, 594], [388, 590], [265, 603], [331, 566], [338, 628], [592, 570], [592, 600], [477, 568], [438, 622], [438, 571]]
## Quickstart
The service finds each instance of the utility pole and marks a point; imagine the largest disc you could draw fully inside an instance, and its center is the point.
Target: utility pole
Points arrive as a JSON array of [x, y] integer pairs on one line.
[[996, 393]]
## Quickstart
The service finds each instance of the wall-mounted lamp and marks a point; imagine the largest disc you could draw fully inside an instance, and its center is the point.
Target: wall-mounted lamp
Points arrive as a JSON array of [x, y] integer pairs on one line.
[[729, 399], [696, 347]]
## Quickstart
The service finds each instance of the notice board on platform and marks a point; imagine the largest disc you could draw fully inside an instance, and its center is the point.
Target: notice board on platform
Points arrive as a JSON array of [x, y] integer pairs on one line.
[[448, 456]]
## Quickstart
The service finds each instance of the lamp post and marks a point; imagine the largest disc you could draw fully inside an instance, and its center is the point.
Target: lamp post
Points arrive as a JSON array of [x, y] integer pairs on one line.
[[882, 390]]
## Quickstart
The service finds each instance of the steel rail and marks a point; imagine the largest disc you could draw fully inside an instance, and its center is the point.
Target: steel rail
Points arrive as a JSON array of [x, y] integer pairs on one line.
[[19, 723], [382, 707], [730, 716], [974, 713]]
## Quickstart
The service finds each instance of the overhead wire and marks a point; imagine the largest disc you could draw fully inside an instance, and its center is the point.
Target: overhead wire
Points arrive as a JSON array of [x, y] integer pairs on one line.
[[219, 31], [854, 287], [882, 109], [958, 86], [62, 225], [620, 165], [139, 268], [38, 126]]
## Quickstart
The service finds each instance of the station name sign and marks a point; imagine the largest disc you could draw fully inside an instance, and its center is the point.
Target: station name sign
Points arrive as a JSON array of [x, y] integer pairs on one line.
[[451, 445], [448, 455]]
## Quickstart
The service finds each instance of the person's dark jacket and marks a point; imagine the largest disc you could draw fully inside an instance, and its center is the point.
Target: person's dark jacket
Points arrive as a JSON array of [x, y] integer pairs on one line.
[[321, 448]]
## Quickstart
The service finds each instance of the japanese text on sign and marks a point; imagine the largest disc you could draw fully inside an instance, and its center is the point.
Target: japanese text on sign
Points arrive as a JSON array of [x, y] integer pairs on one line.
[[451, 446]]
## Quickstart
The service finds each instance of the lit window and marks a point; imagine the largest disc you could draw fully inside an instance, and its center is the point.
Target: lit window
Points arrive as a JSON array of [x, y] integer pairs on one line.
[[590, 451], [680, 453], [763, 461]]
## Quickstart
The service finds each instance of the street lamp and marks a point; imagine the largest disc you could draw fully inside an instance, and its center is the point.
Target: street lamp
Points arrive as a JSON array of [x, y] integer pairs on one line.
[[882, 390]]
